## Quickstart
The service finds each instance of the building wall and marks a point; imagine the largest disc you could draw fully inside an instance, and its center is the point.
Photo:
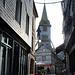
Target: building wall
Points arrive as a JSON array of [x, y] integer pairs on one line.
[[31, 56], [45, 41], [25, 42], [43, 51], [45, 32], [31, 64], [8, 11], [49, 58], [69, 32]]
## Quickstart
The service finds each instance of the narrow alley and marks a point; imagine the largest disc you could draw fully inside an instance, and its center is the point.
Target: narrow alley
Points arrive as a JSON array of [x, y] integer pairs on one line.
[[37, 37]]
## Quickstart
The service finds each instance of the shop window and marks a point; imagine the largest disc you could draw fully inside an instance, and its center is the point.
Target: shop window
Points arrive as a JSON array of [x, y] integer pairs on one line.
[[10, 42], [5, 56], [31, 66], [2, 60], [4, 39], [7, 40], [40, 67], [23, 62], [16, 59], [13, 58]]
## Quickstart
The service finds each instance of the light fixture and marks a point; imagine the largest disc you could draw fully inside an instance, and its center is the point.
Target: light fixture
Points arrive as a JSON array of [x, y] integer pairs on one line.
[[39, 40]]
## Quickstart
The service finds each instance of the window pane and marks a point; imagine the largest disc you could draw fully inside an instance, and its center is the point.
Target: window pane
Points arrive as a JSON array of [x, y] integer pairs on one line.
[[2, 60], [44, 28], [44, 50], [5, 60], [43, 58], [18, 11], [27, 24], [4, 39], [3, 1], [1, 53], [44, 37], [10, 42], [9, 61], [23, 62], [16, 59], [31, 66]]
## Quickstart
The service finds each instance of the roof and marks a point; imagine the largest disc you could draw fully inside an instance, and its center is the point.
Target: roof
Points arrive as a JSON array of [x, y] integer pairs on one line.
[[45, 48], [43, 64], [41, 46], [60, 48], [35, 10], [44, 19]]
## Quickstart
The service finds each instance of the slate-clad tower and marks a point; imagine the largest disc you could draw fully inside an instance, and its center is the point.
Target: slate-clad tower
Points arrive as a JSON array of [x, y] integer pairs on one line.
[[45, 28]]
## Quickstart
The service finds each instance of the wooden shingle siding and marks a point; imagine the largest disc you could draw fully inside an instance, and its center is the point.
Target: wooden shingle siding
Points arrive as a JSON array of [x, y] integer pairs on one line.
[[7, 13]]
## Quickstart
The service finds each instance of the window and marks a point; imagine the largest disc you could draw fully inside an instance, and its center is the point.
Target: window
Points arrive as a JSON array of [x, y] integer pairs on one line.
[[2, 60], [71, 12], [3, 1], [31, 66], [44, 50], [32, 43], [44, 37], [43, 58], [6, 55], [16, 59], [44, 28], [72, 61], [38, 58], [27, 24], [13, 58], [18, 11], [23, 62], [48, 57], [40, 67]]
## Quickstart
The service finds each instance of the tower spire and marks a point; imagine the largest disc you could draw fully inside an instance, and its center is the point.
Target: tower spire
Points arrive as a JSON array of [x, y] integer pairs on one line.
[[44, 19], [44, 15], [45, 26]]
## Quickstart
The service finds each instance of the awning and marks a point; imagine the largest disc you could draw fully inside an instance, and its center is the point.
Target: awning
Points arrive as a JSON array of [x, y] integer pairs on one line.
[[43, 64]]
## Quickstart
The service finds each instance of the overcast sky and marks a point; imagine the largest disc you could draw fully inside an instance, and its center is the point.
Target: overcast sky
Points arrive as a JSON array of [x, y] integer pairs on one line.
[[54, 13]]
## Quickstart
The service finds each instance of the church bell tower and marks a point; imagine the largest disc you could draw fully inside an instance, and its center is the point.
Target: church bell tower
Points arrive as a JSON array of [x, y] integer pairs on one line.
[[45, 28]]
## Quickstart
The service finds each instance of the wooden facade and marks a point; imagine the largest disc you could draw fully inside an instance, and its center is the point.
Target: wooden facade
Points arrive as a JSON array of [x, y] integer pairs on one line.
[[16, 42], [69, 34]]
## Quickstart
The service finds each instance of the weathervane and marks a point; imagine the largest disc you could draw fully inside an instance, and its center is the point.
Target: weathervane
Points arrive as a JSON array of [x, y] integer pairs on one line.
[[44, 1]]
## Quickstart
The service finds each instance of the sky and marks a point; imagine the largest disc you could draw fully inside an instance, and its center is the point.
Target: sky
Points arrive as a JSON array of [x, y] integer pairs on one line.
[[55, 16]]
